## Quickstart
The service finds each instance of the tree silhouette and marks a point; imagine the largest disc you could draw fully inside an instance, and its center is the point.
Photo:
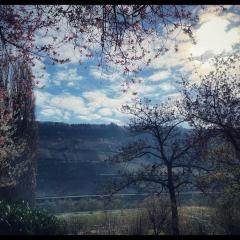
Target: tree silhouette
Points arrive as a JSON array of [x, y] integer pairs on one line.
[[171, 161], [212, 106], [213, 103]]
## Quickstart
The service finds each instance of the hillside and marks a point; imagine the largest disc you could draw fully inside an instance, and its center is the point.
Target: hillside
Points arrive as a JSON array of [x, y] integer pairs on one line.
[[71, 157]]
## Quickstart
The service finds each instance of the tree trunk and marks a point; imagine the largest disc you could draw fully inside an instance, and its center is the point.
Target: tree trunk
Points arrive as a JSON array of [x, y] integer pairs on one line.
[[174, 208], [175, 224]]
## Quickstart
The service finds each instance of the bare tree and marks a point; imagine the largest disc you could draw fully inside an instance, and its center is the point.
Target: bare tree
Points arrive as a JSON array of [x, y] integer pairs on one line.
[[213, 103], [171, 163], [213, 106]]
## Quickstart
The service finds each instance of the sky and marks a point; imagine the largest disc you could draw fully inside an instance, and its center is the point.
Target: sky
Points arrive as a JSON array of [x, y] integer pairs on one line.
[[75, 93]]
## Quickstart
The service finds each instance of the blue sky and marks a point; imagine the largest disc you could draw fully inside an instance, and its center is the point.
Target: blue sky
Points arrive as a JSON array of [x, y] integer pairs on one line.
[[74, 93]]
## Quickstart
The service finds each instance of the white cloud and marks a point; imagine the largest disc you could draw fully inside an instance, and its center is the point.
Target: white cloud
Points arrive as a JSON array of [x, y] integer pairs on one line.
[[105, 112], [71, 103], [213, 36], [99, 99], [67, 51], [89, 117], [71, 84], [41, 75], [159, 75], [166, 87], [99, 74], [174, 96], [41, 97], [51, 112], [60, 104], [70, 75], [97, 106]]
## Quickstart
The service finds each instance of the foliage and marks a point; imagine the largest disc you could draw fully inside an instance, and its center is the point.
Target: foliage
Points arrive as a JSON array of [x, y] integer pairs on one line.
[[8, 149], [16, 123], [21, 219], [119, 32]]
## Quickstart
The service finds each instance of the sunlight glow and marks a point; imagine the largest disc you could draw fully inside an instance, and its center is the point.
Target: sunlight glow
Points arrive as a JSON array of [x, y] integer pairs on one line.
[[213, 36]]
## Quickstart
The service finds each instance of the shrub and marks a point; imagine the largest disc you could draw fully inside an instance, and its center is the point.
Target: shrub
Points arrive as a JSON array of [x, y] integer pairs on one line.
[[21, 219]]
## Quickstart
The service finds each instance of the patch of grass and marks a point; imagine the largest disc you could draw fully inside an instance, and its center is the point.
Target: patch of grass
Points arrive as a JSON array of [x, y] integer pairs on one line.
[[193, 220], [197, 220], [196, 210], [101, 222]]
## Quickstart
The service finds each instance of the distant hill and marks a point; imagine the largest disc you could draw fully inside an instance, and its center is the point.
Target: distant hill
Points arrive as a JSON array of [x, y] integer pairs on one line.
[[71, 157]]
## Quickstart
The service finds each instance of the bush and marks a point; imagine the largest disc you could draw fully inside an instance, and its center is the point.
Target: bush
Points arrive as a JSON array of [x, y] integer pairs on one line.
[[21, 219]]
